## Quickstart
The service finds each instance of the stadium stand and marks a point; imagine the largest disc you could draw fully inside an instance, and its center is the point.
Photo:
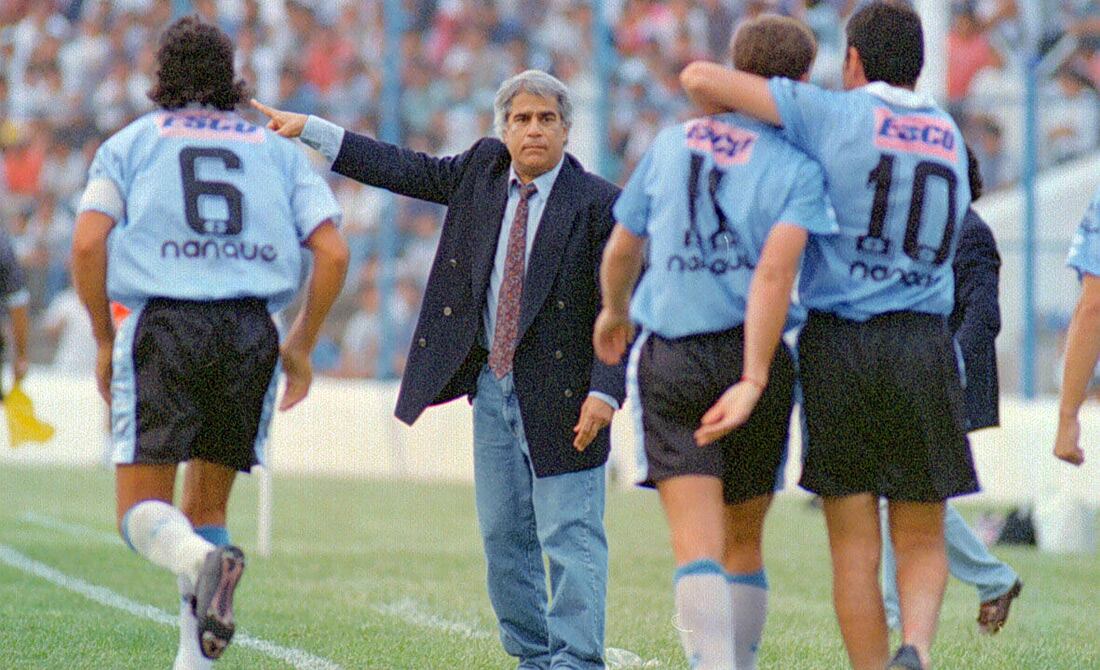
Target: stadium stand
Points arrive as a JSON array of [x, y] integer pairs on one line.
[[74, 71]]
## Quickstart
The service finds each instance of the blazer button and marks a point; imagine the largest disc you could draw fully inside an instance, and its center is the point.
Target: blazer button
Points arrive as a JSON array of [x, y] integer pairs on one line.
[[561, 305], [422, 343], [453, 262], [568, 393], [447, 311], [559, 355]]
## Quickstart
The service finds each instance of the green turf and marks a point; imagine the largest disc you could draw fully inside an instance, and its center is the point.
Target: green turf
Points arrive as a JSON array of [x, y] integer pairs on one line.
[[354, 559]]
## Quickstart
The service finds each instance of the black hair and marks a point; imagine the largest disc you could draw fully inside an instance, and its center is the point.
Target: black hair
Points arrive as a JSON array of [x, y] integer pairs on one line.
[[887, 35], [195, 65]]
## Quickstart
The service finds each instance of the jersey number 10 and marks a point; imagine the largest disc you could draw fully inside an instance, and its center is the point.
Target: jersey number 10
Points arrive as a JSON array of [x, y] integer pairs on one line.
[[882, 177]]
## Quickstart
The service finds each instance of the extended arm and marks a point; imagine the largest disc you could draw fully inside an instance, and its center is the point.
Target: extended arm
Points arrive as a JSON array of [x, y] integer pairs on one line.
[[370, 161], [712, 86], [765, 314]]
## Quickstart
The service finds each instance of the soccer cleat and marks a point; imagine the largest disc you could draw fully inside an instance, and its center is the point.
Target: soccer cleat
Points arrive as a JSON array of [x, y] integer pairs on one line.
[[907, 658], [992, 614], [220, 574]]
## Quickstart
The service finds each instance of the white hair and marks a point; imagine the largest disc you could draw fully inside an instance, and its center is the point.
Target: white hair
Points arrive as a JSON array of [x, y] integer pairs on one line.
[[534, 82]]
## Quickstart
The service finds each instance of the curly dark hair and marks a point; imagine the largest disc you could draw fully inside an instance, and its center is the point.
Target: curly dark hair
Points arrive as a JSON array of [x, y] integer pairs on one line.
[[195, 65]]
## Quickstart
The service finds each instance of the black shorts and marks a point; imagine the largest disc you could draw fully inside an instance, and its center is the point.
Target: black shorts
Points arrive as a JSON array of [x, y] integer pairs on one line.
[[677, 381], [194, 380], [884, 410]]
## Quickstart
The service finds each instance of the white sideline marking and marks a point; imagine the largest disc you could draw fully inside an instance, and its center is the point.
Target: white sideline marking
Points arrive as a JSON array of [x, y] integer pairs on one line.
[[298, 658], [71, 529], [411, 612], [408, 610]]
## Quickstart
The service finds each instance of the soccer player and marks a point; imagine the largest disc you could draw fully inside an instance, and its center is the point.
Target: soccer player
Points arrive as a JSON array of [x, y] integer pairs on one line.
[[1082, 344], [190, 230], [883, 399], [714, 197]]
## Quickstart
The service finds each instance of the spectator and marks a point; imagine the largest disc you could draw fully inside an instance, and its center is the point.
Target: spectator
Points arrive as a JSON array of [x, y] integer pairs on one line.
[[1069, 116], [360, 343], [968, 52]]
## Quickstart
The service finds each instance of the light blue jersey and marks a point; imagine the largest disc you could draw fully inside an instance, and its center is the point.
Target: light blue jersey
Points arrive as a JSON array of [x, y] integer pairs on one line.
[[1084, 253], [212, 207], [896, 174], [706, 194]]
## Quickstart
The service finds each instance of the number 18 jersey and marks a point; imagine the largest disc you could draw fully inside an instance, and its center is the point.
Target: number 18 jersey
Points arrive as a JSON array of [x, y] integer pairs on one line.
[[896, 175], [213, 207]]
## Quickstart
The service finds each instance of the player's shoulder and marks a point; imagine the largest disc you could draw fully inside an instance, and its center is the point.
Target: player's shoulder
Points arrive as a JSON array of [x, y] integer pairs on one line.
[[132, 133]]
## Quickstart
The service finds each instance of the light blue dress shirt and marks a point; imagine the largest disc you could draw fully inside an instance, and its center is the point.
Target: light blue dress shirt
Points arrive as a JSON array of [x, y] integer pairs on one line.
[[326, 137]]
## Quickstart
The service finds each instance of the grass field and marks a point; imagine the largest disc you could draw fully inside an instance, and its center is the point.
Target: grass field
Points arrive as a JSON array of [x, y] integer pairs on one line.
[[389, 575]]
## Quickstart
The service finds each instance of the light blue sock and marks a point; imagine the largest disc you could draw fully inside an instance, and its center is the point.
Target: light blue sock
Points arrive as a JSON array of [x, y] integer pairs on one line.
[[215, 535], [749, 598], [703, 615]]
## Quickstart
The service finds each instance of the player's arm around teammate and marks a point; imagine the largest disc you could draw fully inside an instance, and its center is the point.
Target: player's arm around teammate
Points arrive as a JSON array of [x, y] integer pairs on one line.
[[884, 418], [765, 315], [1083, 337], [720, 199]]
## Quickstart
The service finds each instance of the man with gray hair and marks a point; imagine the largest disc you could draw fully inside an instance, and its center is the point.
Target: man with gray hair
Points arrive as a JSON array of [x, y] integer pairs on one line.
[[507, 319]]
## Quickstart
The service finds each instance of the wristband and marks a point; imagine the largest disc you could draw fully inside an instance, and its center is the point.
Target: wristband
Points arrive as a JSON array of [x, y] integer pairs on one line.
[[754, 382]]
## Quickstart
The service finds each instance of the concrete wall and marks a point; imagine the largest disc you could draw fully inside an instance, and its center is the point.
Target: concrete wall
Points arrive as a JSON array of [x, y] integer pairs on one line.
[[346, 429]]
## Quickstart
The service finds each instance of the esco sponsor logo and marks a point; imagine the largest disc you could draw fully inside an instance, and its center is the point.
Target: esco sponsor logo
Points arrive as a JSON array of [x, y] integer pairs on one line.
[[916, 133], [201, 121], [881, 273], [218, 249], [934, 135]]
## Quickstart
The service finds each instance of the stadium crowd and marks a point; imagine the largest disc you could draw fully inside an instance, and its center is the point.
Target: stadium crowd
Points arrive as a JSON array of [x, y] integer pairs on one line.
[[75, 71]]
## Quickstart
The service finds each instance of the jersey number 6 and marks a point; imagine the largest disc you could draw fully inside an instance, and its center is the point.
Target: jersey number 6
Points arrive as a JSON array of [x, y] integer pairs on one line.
[[194, 188]]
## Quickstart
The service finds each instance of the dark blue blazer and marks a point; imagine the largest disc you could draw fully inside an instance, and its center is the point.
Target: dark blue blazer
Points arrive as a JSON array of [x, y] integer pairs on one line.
[[554, 367], [976, 319]]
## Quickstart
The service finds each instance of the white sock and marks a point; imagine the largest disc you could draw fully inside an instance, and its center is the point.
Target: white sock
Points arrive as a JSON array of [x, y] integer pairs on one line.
[[162, 534], [703, 615], [749, 597], [189, 656]]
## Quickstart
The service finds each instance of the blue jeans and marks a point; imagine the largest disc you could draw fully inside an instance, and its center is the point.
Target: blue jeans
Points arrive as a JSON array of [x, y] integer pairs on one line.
[[968, 560], [522, 517]]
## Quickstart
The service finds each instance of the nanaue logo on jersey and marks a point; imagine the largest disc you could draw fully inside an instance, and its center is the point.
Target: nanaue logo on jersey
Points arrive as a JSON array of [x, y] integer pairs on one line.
[[214, 195]]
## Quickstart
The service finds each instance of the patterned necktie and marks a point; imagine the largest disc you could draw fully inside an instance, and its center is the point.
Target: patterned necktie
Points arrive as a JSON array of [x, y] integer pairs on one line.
[[511, 289]]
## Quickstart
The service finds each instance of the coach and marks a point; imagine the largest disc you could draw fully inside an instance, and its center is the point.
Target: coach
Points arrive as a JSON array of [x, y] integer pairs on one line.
[[507, 320]]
